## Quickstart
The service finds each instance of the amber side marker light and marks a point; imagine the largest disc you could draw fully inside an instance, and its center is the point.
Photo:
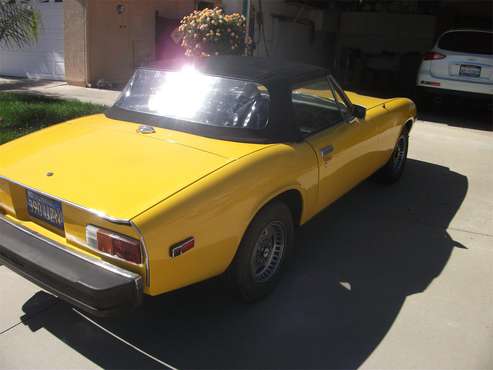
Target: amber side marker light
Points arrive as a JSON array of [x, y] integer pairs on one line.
[[113, 244], [182, 247]]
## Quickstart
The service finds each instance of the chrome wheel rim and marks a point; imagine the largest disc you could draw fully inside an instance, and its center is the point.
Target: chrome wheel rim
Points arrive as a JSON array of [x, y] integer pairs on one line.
[[268, 251], [399, 153]]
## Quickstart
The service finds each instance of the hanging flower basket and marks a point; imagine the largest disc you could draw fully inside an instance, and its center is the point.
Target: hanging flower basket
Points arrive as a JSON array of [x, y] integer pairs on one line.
[[211, 32]]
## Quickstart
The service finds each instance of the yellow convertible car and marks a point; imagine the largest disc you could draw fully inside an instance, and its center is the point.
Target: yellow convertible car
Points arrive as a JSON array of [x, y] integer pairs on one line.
[[196, 171]]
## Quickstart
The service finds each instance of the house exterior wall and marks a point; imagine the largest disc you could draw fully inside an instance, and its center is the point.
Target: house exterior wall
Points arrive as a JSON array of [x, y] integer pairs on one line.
[[75, 42], [174, 9], [106, 44], [119, 41]]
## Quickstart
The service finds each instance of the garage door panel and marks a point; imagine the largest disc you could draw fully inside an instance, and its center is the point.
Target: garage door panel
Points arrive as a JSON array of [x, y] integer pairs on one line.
[[46, 65], [44, 45], [11, 55], [44, 58]]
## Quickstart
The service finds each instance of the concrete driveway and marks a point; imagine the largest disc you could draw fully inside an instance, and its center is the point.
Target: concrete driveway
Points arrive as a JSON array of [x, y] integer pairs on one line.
[[388, 277], [58, 89]]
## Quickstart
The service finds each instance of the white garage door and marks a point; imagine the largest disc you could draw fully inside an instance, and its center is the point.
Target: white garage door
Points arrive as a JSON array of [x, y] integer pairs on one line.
[[44, 58]]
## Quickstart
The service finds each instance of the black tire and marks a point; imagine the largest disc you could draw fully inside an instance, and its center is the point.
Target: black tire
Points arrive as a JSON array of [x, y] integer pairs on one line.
[[247, 283], [392, 171]]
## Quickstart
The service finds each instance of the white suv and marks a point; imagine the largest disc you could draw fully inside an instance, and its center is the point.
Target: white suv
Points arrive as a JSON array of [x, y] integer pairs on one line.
[[461, 62]]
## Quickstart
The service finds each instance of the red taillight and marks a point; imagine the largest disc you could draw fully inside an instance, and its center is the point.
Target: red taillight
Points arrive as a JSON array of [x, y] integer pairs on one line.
[[433, 55], [114, 244]]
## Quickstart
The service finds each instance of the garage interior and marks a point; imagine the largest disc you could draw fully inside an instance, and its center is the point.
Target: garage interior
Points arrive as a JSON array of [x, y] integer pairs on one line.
[[373, 46]]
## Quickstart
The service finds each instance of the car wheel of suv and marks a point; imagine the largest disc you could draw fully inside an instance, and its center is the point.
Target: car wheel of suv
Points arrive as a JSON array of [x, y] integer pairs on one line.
[[393, 169], [263, 253]]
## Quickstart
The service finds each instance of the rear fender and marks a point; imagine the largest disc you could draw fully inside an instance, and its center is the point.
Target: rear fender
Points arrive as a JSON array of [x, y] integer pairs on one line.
[[217, 210]]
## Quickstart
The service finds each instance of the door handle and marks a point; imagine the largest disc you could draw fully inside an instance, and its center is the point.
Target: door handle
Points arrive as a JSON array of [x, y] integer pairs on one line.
[[326, 150]]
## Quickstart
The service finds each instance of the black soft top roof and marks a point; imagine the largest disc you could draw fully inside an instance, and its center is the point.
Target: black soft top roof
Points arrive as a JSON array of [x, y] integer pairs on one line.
[[267, 71], [278, 76]]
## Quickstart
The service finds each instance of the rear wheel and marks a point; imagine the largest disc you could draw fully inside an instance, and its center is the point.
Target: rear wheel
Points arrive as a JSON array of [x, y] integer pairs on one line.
[[393, 169], [263, 253]]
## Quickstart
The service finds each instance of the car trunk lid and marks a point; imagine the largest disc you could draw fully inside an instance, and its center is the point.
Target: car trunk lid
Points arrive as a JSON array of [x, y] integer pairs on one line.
[[106, 165]]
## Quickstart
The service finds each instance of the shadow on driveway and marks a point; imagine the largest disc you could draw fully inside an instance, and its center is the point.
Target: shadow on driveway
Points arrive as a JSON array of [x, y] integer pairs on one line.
[[23, 84], [354, 267], [454, 111]]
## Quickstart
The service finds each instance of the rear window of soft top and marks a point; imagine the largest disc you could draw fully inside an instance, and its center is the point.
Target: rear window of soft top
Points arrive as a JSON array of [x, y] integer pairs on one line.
[[474, 42]]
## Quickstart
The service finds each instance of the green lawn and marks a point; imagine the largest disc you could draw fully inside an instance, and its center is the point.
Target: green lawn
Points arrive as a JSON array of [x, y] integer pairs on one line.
[[21, 114]]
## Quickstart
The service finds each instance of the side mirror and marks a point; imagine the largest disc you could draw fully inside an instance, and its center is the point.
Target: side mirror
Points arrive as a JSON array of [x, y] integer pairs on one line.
[[359, 112]]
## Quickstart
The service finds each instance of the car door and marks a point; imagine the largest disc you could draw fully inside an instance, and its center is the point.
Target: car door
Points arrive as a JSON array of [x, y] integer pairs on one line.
[[344, 144]]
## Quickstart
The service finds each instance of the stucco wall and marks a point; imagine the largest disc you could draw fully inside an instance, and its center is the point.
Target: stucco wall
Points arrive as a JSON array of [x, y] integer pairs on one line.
[[174, 9], [75, 41], [119, 42]]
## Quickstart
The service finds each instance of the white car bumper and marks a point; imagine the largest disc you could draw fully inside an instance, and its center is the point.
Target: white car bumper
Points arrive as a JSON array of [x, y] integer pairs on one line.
[[425, 79]]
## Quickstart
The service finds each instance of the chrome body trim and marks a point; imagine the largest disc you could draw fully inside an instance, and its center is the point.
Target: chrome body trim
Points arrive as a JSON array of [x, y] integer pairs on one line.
[[326, 150], [146, 129], [100, 263], [95, 212], [144, 252]]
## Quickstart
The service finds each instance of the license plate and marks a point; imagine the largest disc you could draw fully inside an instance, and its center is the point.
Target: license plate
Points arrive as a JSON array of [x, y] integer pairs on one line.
[[469, 71], [45, 209]]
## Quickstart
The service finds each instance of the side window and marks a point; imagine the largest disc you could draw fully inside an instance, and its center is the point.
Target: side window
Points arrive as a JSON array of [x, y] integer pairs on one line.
[[315, 106]]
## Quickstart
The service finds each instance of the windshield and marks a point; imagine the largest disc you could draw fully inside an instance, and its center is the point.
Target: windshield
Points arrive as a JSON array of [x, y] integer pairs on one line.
[[189, 95]]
